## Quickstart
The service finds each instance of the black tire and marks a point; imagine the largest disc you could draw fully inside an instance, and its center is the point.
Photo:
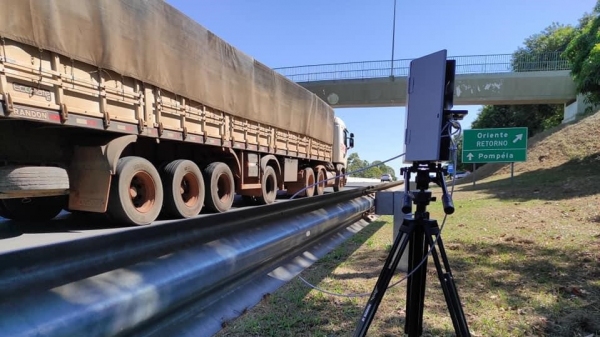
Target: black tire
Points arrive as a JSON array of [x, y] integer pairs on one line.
[[320, 188], [183, 186], [268, 187], [25, 178], [340, 181], [136, 193], [32, 209], [338, 184], [219, 187], [3, 211], [309, 179]]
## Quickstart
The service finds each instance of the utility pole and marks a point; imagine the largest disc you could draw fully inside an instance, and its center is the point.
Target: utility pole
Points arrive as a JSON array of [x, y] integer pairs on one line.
[[393, 40]]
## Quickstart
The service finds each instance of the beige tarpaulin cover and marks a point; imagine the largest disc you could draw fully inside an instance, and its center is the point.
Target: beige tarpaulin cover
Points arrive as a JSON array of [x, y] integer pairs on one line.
[[155, 43]]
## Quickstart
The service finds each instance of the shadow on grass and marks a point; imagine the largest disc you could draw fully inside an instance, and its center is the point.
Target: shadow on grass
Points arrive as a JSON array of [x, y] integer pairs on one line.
[[559, 285], [556, 289], [575, 178], [548, 292]]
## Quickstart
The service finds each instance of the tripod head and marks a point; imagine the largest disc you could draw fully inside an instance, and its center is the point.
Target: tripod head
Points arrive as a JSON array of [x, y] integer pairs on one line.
[[422, 196]]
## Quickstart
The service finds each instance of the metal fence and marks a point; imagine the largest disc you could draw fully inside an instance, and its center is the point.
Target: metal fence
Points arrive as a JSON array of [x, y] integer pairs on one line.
[[474, 64]]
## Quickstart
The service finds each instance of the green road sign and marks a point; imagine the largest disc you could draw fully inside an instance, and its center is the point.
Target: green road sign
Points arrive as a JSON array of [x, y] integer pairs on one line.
[[494, 145]]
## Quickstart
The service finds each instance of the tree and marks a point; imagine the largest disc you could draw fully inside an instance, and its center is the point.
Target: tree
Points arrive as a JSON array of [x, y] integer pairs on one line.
[[540, 51], [356, 164], [460, 166], [536, 117], [583, 52], [384, 169]]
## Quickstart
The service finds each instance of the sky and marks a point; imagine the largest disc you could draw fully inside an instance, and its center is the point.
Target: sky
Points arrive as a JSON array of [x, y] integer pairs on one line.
[[282, 33]]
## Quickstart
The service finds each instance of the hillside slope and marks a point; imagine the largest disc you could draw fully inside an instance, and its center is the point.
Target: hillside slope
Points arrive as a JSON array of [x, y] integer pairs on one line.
[[576, 142]]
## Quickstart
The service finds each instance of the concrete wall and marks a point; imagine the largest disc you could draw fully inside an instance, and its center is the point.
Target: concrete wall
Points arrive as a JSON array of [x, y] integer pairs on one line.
[[575, 108]]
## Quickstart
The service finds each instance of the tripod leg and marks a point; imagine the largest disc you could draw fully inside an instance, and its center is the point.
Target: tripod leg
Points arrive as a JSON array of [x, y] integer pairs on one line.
[[391, 263], [415, 284], [447, 281]]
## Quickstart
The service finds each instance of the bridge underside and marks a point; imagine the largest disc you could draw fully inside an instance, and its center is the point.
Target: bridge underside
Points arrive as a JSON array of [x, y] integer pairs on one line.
[[539, 87]]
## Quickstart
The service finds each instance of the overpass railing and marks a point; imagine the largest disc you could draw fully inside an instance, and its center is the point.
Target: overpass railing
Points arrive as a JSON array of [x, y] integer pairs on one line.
[[474, 64]]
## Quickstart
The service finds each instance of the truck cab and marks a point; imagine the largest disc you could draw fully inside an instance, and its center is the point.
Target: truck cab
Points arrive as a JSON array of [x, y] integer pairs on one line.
[[343, 141]]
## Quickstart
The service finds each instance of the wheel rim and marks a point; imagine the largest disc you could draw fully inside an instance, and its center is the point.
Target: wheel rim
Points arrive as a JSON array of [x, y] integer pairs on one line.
[[189, 189], [142, 192], [309, 182], [321, 178], [223, 188]]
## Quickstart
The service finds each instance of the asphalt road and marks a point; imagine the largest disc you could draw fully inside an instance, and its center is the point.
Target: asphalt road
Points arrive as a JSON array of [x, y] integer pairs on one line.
[[66, 227]]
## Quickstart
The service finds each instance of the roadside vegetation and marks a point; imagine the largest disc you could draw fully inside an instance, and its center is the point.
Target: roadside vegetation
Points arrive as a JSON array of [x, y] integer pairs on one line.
[[356, 164], [525, 252], [525, 255], [556, 46]]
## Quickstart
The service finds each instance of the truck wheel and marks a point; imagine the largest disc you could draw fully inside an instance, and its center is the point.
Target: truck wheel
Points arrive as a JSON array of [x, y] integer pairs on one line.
[[136, 193], [220, 187], [309, 180], [184, 189], [339, 181], [268, 186], [33, 178], [3, 212], [32, 209], [320, 188]]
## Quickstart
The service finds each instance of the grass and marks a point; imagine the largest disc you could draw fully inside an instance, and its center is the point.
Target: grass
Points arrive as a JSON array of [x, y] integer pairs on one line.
[[523, 268], [525, 253]]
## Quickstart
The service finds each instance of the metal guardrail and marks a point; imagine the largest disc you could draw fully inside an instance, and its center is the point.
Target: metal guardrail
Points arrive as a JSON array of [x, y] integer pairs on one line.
[[474, 64], [45, 267], [115, 283]]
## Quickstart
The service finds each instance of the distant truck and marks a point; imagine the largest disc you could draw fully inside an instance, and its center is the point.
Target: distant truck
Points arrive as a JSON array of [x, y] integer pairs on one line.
[[131, 108]]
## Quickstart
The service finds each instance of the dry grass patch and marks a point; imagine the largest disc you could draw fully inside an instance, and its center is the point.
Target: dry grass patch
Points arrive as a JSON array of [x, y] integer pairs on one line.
[[526, 258], [525, 254]]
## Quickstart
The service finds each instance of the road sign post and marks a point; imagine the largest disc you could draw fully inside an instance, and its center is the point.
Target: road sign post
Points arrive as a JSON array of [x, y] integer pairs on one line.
[[499, 145]]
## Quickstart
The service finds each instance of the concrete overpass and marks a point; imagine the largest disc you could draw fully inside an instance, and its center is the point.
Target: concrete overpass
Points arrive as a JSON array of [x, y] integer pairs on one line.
[[480, 80]]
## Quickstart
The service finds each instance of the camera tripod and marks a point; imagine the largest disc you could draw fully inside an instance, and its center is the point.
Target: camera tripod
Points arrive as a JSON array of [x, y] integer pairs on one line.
[[420, 231]]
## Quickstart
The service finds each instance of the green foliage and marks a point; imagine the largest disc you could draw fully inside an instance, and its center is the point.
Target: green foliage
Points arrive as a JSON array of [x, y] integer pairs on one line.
[[536, 117], [583, 52], [355, 164], [540, 51]]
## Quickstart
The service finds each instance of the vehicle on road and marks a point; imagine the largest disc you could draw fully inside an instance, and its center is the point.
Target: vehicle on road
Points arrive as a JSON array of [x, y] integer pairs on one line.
[[147, 115], [386, 177]]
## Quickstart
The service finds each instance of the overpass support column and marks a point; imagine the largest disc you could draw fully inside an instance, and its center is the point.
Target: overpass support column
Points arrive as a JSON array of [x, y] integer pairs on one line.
[[575, 108]]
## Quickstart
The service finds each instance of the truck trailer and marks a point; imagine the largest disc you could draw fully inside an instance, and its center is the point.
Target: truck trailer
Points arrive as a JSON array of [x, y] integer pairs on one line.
[[132, 109]]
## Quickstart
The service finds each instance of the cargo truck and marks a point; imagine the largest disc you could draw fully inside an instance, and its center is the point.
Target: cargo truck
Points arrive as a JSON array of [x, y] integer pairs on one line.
[[132, 109]]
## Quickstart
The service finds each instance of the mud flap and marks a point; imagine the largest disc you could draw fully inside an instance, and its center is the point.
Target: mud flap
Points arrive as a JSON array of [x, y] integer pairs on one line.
[[90, 174]]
